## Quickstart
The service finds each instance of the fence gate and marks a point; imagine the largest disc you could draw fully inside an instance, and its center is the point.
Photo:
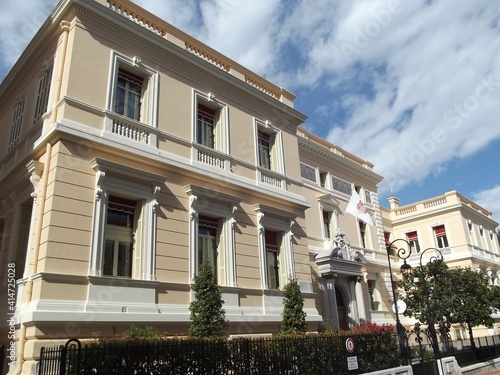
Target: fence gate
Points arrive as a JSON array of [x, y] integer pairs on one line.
[[62, 360]]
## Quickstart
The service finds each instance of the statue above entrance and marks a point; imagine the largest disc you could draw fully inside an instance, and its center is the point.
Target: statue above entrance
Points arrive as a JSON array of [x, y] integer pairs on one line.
[[341, 247]]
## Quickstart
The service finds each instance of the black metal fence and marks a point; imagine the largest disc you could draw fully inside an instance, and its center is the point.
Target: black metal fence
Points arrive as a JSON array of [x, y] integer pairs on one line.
[[464, 350], [310, 355]]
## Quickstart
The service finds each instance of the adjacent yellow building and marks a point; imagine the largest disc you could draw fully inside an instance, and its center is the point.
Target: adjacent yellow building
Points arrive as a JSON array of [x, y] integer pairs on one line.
[[133, 152]]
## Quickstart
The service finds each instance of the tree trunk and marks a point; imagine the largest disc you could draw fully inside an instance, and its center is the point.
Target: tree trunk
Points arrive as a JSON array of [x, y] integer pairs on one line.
[[472, 343]]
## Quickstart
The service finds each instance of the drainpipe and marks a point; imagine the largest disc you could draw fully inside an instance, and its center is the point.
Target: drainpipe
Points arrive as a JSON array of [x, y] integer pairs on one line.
[[58, 76]]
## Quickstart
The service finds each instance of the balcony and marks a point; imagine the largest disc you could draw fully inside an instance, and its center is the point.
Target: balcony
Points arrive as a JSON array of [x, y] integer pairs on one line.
[[211, 157], [129, 129], [271, 178]]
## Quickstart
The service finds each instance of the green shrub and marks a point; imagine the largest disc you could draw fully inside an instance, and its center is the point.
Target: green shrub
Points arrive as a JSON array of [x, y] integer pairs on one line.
[[294, 317], [208, 318]]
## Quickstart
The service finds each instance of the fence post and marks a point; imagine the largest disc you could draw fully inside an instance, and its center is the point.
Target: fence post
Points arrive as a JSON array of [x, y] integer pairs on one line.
[[40, 362], [71, 345]]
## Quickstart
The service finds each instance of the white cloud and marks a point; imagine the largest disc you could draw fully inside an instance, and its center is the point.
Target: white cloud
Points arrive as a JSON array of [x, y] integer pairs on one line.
[[17, 27], [410, 86], [490, 200], [434, 93]]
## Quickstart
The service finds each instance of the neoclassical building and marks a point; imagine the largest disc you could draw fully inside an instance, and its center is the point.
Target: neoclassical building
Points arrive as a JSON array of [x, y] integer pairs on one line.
[[133, 152]]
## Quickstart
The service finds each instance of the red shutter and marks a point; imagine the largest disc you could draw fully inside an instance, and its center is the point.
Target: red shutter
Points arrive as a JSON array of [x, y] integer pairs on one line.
[[208, 222], [440, 231], [264, 136], [412, 236], [121, 205], [395, 288], [326, 217], [130, 77], [271, 240], [205, 111], [362, 226]]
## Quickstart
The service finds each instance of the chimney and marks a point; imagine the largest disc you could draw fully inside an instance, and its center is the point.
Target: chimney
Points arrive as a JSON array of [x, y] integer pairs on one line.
[[394, 202]]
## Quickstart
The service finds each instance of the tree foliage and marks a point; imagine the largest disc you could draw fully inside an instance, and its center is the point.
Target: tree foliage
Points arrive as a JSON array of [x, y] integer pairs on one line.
[[208, 318], [294, 317], [434, 293]]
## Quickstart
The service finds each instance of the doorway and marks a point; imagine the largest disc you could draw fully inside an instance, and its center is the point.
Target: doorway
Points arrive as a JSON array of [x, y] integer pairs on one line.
[[341, 309]]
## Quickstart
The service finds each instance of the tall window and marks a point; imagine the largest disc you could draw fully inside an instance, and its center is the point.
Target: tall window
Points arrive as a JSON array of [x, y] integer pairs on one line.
[[368, 196], [471, 232], [205, 128], [412, 238], [128, 94], [326, 224], [273, 242], [264, 145], [269, 148], [396, 289], [42, 95], [118, 249], [440, 234], [362, 232], [372, 291], [133, 93], [210, 127], [124, 227], [207, 242], [15, 130], [323, 178]]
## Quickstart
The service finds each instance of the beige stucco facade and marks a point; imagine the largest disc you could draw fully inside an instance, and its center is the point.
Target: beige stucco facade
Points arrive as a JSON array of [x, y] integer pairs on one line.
[[107, 215]]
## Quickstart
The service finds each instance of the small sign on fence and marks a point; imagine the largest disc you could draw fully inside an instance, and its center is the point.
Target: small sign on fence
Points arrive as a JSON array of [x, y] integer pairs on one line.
[[352, 363]]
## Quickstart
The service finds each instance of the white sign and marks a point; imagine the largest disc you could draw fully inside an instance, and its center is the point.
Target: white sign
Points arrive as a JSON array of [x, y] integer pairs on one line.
[[401, 307], [352, 363]]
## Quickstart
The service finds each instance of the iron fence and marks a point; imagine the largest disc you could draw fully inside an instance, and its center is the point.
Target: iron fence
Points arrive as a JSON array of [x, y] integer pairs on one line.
[[304, 355], [466, 351]]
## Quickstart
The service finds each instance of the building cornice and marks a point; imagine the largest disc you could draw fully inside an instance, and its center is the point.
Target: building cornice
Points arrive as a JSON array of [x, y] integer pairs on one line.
[[315, 150]]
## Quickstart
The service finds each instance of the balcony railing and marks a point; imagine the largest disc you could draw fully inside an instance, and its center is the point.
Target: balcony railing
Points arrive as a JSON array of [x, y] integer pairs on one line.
[[211, 157], [271, 178], [130, 129]]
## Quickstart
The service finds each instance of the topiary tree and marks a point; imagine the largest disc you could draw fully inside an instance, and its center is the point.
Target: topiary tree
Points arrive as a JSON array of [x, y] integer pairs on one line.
[[208, 318], [294, 317]]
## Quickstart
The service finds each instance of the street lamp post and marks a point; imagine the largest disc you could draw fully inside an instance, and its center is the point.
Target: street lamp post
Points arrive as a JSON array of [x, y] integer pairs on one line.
[[402, 253], [435, 259]]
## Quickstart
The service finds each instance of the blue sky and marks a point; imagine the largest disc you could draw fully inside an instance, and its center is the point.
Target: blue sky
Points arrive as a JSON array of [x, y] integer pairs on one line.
[[413, 87]]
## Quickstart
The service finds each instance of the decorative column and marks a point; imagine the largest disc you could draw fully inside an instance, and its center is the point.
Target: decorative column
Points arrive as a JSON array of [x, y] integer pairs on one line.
[[193, 237], [262, 250], [360, 301], [100, 203], [232, 254]]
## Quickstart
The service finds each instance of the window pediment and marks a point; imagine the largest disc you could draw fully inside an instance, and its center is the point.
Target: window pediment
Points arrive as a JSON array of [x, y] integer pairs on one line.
[[114, 169], [327, 202], [202, 194]]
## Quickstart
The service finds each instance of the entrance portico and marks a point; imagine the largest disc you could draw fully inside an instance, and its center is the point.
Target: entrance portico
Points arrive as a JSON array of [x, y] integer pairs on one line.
[[343, 295]]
